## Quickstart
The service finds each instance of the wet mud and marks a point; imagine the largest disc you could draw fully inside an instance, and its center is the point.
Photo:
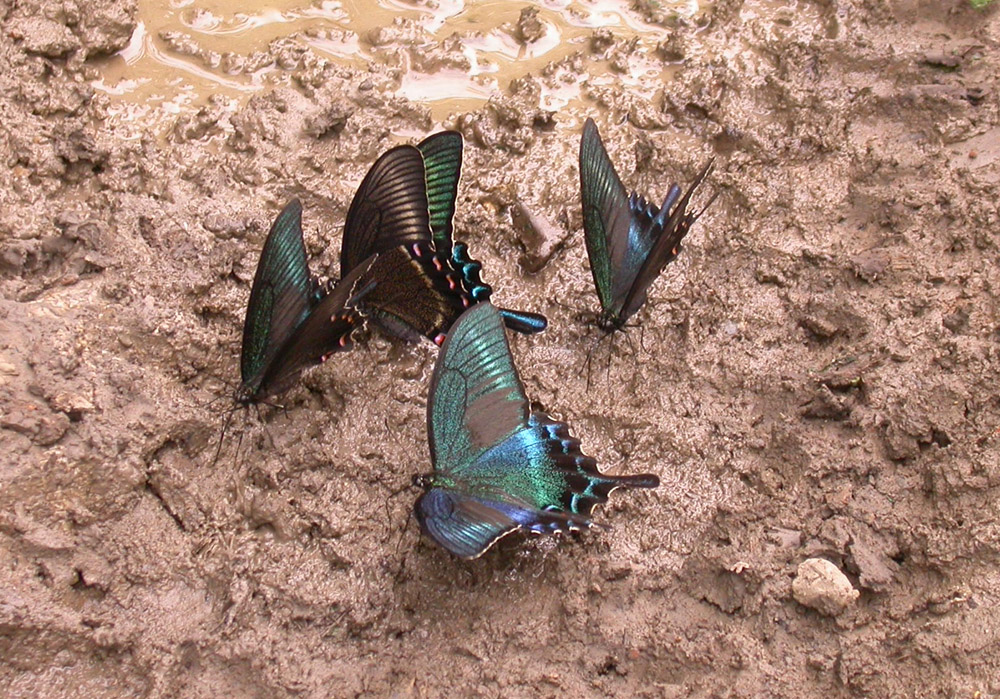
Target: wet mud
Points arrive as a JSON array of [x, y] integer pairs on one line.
[[814, 378]]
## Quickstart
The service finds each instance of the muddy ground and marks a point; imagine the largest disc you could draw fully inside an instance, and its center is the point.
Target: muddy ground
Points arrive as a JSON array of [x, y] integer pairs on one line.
[[818, 377]]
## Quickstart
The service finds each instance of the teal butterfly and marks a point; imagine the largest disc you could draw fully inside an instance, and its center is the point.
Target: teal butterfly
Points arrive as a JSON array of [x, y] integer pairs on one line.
[[629, 240], [403, 212], [293, 322], [500, 467]]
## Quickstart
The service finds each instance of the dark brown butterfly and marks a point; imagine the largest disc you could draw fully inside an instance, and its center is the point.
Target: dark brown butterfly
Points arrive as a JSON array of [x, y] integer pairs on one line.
[[403, 212]]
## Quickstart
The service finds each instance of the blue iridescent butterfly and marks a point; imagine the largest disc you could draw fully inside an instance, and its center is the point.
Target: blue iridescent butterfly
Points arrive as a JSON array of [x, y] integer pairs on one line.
[[500, 467], [403, 213], [629, 240], [292, 321]]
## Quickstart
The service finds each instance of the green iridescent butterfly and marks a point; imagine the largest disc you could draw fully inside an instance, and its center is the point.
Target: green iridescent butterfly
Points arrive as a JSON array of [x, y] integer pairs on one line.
[[292, 321], [500, 467], [403, 212], [629, 240]]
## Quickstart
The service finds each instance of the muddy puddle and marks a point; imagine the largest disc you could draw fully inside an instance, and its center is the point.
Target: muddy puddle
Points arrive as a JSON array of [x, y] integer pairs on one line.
[[451, 55], [814, 379]]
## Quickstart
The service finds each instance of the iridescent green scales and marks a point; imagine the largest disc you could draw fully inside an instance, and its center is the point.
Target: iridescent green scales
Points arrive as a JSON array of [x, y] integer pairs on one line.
[[279, 299], [292, 322], [442, 155], [498, 466]]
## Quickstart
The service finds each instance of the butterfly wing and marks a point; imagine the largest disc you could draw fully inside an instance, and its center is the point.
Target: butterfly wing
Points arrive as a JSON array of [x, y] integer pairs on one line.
[[468, 526], [414, 297], [279, 298], [443, 168], [389, 209], [327, 329], [442, 153], [607, 220], [475, 399], [667, 226], [404, 209], [490, 451]]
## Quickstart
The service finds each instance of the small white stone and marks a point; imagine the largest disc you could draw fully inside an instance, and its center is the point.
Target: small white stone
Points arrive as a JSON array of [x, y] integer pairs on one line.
[[821, 585]]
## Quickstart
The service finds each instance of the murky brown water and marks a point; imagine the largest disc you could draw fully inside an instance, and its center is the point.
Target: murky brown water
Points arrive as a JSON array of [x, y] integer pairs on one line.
[[185, 50]]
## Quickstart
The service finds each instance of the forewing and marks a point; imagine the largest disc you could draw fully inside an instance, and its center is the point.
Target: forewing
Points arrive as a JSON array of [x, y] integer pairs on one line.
[[389, 209], [667, 244], [606, 215], [442, 154], [476, 399], [279, 298]]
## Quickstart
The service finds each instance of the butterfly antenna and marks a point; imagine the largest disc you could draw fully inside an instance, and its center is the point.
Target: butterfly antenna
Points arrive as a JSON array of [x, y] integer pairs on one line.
[[406, 525], [212, 402], [392, 494], [565, 305], [230, 387], [578, 313], [705, 208], [399, 543]]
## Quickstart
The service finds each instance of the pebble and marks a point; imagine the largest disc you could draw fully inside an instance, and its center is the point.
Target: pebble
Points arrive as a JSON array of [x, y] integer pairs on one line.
[[821, 585]]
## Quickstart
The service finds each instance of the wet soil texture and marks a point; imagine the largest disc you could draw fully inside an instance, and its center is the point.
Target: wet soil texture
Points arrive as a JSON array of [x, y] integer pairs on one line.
[[815, 379]]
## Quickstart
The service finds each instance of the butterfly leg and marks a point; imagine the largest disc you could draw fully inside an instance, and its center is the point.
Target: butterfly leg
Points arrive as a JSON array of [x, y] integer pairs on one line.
[[631, 344], [222, 435], [611, 354], [239, 443], [590, 355]]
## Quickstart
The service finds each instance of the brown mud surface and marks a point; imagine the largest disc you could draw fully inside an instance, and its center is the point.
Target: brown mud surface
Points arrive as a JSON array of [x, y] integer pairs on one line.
[[818, 376]]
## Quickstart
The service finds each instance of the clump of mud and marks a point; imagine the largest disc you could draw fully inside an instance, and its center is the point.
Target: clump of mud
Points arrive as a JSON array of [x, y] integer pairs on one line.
[[816, 377]]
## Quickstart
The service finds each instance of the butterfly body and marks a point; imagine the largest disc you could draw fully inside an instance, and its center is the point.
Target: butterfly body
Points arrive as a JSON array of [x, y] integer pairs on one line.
[[629, 240], [500, 467]]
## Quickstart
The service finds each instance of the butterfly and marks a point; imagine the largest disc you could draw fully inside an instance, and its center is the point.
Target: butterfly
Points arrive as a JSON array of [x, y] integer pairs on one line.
[[629, 240], [403, 212], [500, 467], [293, 321]]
